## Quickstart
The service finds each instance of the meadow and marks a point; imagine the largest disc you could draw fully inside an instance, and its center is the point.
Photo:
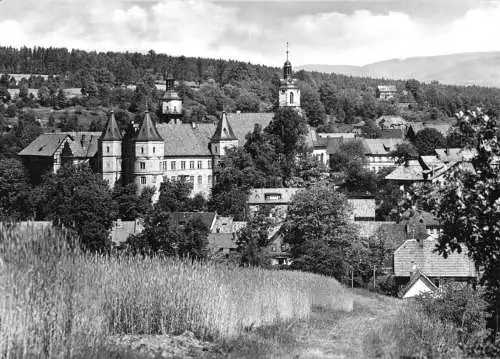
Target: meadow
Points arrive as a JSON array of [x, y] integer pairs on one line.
[[58, 301]]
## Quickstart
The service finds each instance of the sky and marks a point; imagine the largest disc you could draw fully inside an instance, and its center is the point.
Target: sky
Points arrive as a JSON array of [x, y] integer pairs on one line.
[[335, 32]]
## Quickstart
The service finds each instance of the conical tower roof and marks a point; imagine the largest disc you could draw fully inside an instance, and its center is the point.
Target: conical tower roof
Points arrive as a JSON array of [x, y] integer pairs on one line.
[[111, 131], [147, 131], [223, 130]]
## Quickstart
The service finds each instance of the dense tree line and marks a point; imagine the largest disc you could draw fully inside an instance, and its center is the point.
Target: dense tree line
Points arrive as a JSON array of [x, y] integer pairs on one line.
[[226, 85]]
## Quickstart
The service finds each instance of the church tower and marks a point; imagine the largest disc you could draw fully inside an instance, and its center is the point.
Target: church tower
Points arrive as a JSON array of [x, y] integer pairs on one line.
[[171, 107], [149, 149], [110, 149], [289, 92], [223, 138]]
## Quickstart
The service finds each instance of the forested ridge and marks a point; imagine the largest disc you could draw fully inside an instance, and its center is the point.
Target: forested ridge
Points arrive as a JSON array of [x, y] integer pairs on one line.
[[236, 85]]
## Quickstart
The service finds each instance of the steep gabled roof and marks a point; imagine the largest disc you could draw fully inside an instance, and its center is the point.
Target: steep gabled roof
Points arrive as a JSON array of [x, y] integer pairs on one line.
[[111, 131], [44, 145], [82, 144], [416, 277], [224, 131], [380, 146], [421, 255], [147, 131], [181, 218]]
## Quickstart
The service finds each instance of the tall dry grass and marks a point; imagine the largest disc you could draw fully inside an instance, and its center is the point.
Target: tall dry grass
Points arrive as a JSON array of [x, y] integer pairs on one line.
[[57, 301]]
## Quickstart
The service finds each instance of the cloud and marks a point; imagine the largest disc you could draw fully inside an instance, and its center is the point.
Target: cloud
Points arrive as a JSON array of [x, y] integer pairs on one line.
[[251, 31]]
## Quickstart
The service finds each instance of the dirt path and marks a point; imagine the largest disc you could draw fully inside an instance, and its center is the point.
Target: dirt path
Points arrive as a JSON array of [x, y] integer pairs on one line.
[[340, 335]]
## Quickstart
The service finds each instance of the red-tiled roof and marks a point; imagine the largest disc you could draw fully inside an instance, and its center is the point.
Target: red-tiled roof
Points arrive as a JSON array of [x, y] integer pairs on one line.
[[82, 144], [186, 140]]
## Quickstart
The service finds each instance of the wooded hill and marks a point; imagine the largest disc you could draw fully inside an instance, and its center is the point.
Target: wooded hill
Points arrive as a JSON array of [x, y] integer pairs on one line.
[[234, 85]]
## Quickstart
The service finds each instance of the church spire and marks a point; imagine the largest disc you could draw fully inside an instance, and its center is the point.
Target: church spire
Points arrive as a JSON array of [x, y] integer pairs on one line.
[[287, 68]]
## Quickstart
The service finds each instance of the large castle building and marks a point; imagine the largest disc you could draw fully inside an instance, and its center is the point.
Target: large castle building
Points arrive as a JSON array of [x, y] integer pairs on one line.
[[153, 153]]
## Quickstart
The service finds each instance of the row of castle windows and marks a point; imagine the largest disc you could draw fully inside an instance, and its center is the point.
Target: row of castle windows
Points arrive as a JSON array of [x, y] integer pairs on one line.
[[142, 149], [173, 165], [189, 178]]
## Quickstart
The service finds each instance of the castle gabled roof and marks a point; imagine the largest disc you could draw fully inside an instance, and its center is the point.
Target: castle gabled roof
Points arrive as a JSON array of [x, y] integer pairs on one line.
[[111, 131], [147, 131], [224, 131]]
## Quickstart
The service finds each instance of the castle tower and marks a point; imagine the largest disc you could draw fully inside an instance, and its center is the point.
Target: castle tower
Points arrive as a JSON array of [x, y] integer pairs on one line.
[[223, 137], [149, 149], [289, 92], [171, 107], [110, 149]]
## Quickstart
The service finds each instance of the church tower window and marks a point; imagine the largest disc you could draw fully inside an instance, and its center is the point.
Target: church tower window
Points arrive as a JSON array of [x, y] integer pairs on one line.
[[291, 97]]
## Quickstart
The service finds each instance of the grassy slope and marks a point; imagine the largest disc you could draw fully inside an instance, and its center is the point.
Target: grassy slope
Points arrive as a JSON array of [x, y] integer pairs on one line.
[[326, 334]]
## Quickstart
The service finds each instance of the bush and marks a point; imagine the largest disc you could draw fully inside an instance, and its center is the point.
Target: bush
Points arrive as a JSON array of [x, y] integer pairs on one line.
[[446, 324]]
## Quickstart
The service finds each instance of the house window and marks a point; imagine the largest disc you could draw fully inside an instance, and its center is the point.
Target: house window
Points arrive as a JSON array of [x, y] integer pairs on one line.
[[183, 165], [209, 180], [200, 180], [143, 165], [291, 97], [143, 180], [154, 149], [200, 165], [191, 164], [142, 149], [154, 179], [172, 165], [107, 149], [209, 163], [191, 179]]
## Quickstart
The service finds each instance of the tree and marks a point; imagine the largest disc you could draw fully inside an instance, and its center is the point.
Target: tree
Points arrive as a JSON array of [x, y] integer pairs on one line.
[[162, 236], [14, 189], [359, 180], [81, 200], [427, 140], [348, 153], [174, 196], [288, 129], [371, 130], [468, 205], [319, 230], [131, 206], [254, 239], [312, 106], [404, 152]]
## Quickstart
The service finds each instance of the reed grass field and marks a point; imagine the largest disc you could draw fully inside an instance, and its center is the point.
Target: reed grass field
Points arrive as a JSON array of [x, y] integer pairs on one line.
[[58, 302]]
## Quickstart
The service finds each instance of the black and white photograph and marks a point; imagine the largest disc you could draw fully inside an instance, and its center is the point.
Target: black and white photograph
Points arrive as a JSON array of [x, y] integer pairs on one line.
[[249, 179]]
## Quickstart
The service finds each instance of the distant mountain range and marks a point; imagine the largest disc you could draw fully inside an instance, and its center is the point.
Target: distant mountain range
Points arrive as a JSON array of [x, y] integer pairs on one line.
[[480, 68]]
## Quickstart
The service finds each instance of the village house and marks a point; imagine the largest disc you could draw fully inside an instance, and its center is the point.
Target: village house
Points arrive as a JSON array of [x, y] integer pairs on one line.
[[386, 92], [378, 152], [419, 254], [49, 151]]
